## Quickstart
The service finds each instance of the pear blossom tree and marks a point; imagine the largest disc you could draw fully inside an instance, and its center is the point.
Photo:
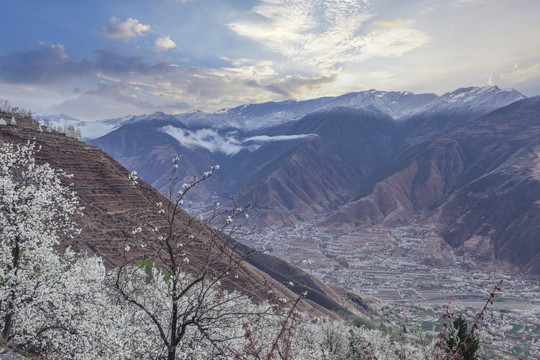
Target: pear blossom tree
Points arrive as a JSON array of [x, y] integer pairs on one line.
[[59, 304], [35, 212], [189, 305]]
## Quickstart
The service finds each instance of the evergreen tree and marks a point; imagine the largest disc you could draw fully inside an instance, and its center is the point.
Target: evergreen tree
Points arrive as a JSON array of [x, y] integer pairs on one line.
[[457, 334]]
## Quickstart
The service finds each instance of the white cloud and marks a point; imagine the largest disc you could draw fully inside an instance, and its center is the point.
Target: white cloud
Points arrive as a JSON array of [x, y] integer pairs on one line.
[[210, 89], [519, 74], [124, 30], [524, 78], [394, 41], [326, 34], [164, 43], [206, 138], [266, 138], [467, 3], [211, 140]]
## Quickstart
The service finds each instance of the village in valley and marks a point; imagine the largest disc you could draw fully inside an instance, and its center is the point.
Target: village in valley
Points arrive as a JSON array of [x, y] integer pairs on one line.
[[415, 277]]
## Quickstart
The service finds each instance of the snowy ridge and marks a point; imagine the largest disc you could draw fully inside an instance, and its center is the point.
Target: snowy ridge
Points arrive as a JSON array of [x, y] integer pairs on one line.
[[399, 105]]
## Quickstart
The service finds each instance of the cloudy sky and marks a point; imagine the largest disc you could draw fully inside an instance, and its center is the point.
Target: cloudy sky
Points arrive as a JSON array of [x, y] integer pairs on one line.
[[99, 59]]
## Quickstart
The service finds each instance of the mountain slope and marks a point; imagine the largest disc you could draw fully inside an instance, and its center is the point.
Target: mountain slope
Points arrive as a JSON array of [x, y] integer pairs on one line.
[[479, 183], [455, 109], [302, 178], [113, 207], [142, 146]]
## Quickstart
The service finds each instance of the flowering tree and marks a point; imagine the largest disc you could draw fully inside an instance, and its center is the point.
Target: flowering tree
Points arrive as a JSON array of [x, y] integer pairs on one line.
[[35, 210], [187, 301], [160, 303]]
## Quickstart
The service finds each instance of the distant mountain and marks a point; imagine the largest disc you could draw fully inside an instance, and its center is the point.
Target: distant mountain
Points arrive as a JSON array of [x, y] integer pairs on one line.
[[360, 159], [304, 177], [480, 183], [255, 142], [455, 108]]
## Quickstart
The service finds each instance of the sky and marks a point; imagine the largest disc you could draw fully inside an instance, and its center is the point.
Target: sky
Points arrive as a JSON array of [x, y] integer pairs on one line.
[[99, 59]]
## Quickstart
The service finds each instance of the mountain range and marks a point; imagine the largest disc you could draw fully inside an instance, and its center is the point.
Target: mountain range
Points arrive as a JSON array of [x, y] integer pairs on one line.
[[466, 161]]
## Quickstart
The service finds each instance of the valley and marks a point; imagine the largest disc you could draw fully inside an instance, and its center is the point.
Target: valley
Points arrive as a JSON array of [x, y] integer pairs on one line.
[[399, 264], [415, 275]]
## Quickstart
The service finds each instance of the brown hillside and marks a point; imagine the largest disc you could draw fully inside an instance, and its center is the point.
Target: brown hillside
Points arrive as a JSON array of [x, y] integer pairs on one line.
[[114, 207]]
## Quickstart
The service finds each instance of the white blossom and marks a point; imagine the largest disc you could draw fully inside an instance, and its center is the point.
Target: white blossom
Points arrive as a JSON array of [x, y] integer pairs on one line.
[[35, 212], [133, 177]]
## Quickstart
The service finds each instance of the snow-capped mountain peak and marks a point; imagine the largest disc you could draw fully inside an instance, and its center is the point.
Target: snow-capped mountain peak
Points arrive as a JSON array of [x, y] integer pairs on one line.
[[399, 105]]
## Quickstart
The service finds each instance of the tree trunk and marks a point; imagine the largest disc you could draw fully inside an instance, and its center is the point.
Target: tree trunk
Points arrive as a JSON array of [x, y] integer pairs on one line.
[[6, 332], [172, 352], [174, 324], [8, 325]]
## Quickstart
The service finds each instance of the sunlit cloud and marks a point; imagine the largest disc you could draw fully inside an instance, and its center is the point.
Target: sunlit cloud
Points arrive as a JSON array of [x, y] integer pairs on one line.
[[390, 41], [164, 43], [169, 87], [326, 34], [129, 28], [390, 22]]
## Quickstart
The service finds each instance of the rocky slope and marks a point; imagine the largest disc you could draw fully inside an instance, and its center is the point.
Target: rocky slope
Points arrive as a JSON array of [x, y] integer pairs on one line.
[[300, 179], [479, 183]]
